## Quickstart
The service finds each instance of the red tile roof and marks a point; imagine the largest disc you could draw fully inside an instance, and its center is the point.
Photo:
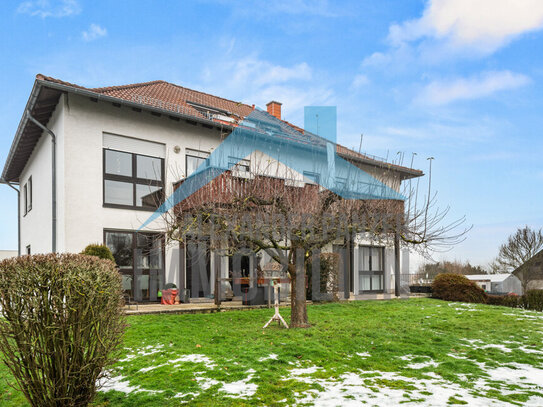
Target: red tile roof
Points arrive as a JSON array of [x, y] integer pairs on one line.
[[168, 96]]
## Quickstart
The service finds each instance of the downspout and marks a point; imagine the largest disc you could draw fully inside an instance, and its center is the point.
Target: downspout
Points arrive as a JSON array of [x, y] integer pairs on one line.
[[18, 217], [54, 177]]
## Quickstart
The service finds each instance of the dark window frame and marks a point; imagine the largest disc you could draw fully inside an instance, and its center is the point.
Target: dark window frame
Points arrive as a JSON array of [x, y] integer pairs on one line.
[[135, 233], [27, 196], [29, 199], [372, 272], [134, 180], [239, 164], [25, 199]]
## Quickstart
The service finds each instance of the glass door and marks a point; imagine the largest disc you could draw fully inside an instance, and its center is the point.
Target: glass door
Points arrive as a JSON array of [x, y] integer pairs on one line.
[[140, 258], [371, 269]]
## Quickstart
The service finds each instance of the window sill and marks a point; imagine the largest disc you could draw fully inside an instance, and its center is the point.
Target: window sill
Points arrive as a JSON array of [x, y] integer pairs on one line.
[[129, 207]]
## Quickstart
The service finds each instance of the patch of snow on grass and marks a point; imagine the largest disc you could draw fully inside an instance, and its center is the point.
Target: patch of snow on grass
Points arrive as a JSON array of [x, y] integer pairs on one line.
[[271, 356], [194, 358], [518, 374], [146, 351], [363, 355], [205, 382], [241, 388], [354, 390], [118, 383], [498, 346], [422, 365]]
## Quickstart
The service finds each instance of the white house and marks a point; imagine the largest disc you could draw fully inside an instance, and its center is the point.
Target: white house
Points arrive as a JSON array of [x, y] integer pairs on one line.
[[497, 283], [85, 161]]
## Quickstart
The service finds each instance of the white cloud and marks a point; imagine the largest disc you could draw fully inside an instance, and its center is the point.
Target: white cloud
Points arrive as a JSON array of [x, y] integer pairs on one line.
[[475, 87], [47, 8], [258, 81], [484, 25], [360, 80], [94, 32]]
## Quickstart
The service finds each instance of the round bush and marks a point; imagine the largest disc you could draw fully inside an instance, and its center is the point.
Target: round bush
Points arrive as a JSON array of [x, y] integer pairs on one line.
[[98, 250], [456, 287], [61, 325]]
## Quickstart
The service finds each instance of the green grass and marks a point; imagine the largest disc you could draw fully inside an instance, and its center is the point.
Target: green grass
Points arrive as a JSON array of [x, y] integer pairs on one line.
[[408, 349]]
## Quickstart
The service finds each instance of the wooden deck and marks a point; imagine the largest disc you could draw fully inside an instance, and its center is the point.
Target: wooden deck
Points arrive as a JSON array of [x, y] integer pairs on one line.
[[192, 308]]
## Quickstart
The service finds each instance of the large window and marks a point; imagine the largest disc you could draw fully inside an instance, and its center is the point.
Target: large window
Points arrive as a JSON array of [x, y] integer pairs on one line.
[[194, 159], [133, 180], [140, 258], [371, 267]]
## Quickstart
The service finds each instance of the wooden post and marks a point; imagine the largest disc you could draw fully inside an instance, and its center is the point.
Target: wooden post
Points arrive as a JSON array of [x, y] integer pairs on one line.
[[276, 316]]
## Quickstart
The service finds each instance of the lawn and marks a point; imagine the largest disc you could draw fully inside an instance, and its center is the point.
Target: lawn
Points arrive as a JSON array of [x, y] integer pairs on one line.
[[410, 352]]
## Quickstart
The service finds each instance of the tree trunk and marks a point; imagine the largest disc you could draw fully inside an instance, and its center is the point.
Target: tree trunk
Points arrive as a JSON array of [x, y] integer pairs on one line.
[[298, 306]]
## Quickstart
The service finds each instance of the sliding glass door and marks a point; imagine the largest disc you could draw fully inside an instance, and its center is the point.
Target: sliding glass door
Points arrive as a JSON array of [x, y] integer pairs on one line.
[[140, 258], [371, 269]]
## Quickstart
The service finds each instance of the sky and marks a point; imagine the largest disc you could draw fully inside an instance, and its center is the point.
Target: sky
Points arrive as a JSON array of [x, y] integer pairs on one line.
[[456, 80]]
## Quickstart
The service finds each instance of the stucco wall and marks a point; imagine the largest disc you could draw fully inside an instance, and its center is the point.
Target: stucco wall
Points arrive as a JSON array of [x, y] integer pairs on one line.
[[80, 125], [36, 225]]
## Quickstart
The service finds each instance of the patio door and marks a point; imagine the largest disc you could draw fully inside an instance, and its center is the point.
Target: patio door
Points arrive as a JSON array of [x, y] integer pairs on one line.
[[198, 268], [371, 269], [140, 258]]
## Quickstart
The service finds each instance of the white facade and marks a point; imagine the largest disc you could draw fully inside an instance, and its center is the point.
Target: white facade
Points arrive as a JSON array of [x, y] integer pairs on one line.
[[83, 128]]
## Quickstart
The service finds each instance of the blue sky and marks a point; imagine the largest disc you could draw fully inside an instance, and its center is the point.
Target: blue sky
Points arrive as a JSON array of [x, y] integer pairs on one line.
[[456, 80]]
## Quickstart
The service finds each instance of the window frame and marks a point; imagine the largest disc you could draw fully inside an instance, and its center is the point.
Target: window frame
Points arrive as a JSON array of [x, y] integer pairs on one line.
[[27, 196], [195, 154], [133, 179], [25, 199], [29, 192], [125, 270], [371, 272], [241, 165]]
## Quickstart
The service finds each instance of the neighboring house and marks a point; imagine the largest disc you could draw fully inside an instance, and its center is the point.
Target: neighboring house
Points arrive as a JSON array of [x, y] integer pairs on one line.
[[6, 254], [497, 283], [531, 272], [89, 163]]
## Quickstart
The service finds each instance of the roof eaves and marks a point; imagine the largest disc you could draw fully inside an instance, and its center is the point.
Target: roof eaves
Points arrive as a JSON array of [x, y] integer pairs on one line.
[[106, 98], [22, 123]]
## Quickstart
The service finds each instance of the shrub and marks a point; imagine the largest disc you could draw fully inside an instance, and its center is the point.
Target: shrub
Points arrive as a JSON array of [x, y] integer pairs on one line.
[[456, 287], [328, 278], [62, 325], [509, 300], [98, 250], [533, 299]]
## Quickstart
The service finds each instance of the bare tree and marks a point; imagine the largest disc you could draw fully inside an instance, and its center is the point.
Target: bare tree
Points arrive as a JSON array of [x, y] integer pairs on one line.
[[290, 221], [520, 247]]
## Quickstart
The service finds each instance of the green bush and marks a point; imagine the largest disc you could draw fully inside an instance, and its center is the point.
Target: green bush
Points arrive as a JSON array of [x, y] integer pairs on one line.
[[98, 250], [509, 300], [533, 299], [456, 287], [61, 325]]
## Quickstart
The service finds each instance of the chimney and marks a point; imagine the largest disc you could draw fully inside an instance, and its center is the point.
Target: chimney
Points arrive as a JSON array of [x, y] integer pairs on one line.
[[274, 108]]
